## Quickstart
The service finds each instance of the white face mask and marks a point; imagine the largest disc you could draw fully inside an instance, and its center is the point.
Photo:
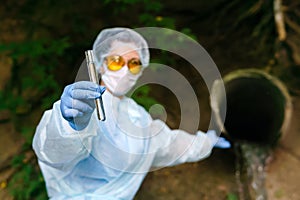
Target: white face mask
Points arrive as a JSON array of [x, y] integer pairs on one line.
[[119, 82]]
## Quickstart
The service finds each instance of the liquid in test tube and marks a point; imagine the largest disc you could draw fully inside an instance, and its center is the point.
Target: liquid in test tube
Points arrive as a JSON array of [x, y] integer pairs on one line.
[[90, 61]]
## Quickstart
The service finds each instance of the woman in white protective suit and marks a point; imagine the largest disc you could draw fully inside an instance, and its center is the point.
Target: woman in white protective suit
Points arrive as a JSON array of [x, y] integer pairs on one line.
[[84, 158]]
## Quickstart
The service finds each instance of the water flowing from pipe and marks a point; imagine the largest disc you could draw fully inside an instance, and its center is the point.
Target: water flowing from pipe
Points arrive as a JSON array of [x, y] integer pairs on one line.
[[251, 160]]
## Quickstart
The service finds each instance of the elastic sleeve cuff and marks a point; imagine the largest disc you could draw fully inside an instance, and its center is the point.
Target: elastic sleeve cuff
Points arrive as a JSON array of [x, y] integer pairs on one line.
[[65, 129]]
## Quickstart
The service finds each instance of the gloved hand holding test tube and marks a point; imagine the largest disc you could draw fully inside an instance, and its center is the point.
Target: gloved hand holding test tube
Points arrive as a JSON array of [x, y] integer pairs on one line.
[[90, 61]]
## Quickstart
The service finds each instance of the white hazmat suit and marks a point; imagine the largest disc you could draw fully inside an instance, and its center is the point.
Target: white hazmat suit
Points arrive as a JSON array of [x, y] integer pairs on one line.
[[109, 159], [103, 161]]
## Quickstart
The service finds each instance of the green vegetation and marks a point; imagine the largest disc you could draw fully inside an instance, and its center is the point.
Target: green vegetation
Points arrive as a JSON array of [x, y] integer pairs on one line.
[[32, 86], [32, 74], [27, 182], [232, 196]]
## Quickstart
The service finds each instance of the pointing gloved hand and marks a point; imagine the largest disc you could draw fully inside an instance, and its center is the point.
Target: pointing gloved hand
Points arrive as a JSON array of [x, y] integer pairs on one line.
[[77, 103], [218, 142]]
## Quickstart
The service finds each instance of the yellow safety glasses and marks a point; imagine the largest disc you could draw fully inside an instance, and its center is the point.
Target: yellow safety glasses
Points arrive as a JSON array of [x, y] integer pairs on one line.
[[116, 62]]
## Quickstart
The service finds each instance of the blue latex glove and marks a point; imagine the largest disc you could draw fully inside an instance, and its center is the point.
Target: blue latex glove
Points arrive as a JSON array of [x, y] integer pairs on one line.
[[218, 142], [77, 102]]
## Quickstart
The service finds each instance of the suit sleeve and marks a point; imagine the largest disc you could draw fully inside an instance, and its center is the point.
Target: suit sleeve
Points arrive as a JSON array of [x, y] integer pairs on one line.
[[57, 145], [174, 147]]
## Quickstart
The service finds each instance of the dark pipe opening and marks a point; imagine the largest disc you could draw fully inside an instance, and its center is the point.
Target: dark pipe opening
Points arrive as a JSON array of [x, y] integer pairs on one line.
[[256, 107]]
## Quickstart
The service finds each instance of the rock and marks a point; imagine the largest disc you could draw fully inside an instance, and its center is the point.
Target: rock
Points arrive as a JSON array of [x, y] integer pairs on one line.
[[4, 115], [5, 70]]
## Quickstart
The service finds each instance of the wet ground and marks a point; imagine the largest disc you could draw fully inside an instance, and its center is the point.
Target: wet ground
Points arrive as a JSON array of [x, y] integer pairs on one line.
[[284, 170]]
